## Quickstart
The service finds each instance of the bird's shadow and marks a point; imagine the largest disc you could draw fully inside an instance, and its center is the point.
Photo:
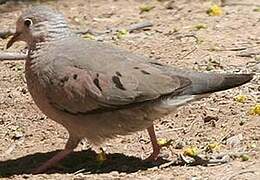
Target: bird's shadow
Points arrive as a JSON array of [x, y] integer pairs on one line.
[[83, 161]]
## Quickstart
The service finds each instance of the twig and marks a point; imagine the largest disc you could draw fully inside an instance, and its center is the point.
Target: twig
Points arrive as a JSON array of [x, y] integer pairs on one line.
[[140, 25], [239, 4], [235, 49], [194, 49], [12, 56], [191, 125], [79, 171], [226, 135], [250, 64], [231, 49], [170, 130], [197, 160], [250, 54], [168, 164], [186, 130], [239, 173], [131, 28], [187, 54], [189, 35]]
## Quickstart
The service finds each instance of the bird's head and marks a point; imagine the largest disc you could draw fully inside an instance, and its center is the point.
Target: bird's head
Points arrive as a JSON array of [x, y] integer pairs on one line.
[[39, 24]]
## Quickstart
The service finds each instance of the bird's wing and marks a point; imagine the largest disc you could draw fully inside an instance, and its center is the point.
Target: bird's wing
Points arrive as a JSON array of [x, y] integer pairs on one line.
[[79, 88]]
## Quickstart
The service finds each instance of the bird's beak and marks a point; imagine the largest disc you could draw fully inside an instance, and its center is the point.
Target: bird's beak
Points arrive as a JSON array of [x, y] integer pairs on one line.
[[15, 38]]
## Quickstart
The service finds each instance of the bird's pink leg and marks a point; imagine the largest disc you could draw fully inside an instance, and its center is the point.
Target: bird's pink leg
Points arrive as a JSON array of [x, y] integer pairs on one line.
[[71, 144], [155, 145], [53, 161]]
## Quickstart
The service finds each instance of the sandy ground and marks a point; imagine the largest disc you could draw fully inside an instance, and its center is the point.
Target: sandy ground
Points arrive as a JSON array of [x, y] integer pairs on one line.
[[28, 138]]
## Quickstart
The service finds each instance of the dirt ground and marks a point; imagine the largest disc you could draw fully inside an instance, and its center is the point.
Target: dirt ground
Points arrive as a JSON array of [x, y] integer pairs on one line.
[[183, 35]]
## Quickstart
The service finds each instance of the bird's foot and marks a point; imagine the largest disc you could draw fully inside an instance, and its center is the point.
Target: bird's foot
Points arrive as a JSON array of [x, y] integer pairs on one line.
[[154, 156], [52, 162], [156, 147]]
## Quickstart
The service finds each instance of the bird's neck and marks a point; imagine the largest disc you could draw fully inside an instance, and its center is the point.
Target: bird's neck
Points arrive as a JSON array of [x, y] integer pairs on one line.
[[57, 34], [49, 32], [52, 37]]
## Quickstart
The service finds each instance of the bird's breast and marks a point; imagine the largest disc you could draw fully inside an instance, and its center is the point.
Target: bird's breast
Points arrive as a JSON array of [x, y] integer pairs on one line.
[[37, 90]]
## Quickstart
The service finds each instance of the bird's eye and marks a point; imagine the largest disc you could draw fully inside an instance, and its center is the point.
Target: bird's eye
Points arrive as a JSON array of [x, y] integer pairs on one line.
[[28, 22]]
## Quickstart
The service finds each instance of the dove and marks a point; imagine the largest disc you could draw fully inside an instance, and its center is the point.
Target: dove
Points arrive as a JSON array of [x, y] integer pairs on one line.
[[98, 91]]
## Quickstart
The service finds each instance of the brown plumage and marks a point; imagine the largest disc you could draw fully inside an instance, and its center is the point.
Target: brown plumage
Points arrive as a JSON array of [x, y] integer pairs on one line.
[[97, 91]]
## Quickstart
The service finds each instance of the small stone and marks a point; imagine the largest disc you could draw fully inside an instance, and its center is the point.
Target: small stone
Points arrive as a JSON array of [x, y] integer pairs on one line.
[[170, 5], [209, 118], [26, 176], [17, 135], [242, 122], [114, 173], [179, 145], [257, 58], [235, 141], [24, 91], [122, 174], [194, 178], [253, 145]]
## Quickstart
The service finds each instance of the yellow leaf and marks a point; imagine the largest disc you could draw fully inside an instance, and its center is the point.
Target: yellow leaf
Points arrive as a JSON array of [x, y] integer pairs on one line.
[[240, 98], [121, 33], [257, 9], [162, 142], [213, 147], [200, 26], [215, 10], [191, 151], [89, 36], [255, 110], [145, 8], [244, 157]]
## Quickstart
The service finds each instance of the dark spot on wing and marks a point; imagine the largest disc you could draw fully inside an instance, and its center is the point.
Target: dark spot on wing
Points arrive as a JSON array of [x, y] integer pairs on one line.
[[118, 83], [118, 74], [145, 72], [75, 76], [63, 80], [156, 63], [96, 82]]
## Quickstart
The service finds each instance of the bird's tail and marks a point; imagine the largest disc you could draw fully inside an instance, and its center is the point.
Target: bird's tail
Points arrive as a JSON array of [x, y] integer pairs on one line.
[[204, 83], [208, 83]]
